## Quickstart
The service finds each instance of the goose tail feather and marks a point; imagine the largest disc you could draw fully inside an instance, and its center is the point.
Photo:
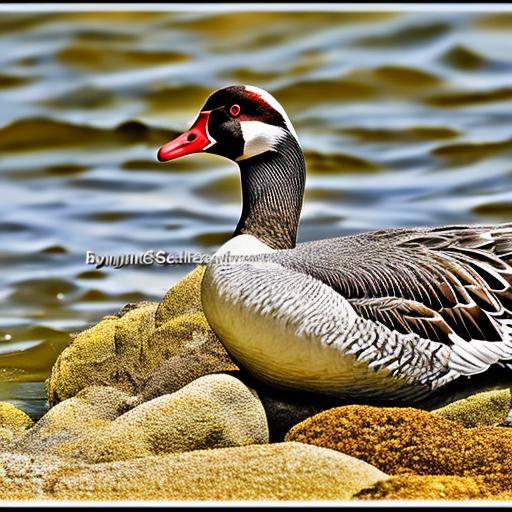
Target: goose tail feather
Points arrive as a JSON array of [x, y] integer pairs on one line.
[[476, 356]]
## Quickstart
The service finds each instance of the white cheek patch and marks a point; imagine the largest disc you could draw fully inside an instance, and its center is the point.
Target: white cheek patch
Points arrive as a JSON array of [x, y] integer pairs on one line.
[[259, 137]]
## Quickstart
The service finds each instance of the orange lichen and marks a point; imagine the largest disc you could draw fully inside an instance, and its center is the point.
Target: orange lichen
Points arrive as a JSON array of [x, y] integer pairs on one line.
[[427, 487], [409, 441]]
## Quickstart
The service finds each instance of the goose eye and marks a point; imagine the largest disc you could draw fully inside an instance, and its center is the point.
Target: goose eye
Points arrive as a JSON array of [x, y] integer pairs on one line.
[[234, 110]]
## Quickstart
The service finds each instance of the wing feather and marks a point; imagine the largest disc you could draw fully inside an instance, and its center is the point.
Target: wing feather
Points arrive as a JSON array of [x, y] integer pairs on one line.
[[451, 284]]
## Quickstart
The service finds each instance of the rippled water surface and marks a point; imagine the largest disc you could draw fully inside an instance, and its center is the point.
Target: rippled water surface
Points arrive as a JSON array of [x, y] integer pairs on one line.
[[405, 118]]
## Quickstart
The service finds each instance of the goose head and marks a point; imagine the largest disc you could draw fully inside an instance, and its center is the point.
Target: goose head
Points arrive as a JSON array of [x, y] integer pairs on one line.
[[248, 126], [236, 122]]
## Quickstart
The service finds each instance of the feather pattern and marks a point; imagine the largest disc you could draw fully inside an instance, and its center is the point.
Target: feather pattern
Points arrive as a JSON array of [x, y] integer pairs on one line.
[[450, 284], [292, 330]]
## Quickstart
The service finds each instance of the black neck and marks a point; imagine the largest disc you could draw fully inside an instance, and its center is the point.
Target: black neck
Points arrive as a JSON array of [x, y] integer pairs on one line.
[[272, 193]]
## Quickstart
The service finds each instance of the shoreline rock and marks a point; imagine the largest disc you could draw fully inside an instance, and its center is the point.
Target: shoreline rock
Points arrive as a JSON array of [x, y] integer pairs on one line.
[[142, 350], [406, 440], [283, 471], [100, 424], [13, 423], [439, 487], [491, 408]]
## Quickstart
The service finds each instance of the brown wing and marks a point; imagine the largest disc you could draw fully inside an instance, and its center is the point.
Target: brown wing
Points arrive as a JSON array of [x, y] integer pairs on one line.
[[404, 316], [440, 283]]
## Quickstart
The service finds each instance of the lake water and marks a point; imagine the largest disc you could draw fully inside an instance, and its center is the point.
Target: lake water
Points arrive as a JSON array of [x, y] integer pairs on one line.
[[405, 118]]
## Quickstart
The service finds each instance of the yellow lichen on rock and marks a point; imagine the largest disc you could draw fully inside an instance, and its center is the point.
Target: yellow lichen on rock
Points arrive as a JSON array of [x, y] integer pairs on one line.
[[25, 477], [434, 487], [97, 357], [190, 350], [490, 408], [13, 422], [281, 471], [433, 458], [183, 298], [13, 418], [211, 412], [147, 344], [101, 423], [87, 413]]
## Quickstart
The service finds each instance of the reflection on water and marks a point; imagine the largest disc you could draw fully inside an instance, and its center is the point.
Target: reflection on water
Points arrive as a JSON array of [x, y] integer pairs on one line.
[[28, 396], [405, 120]]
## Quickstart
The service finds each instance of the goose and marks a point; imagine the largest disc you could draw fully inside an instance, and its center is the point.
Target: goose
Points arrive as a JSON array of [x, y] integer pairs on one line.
[[389, 314]]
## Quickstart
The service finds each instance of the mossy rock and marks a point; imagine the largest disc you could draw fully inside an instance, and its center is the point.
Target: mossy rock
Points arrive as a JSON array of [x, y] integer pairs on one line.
[[281, 471], [190, 349], [182, 299], [13, 418], [104, 424], [491, 408], [409, 441], [109, 354], [25, 477], [436, 487], [135, 348], [13, 422], [86, 414], [179, 370]]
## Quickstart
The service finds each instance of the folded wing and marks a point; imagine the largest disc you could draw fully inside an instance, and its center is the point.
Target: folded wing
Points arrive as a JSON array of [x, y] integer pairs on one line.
[[449, 284]]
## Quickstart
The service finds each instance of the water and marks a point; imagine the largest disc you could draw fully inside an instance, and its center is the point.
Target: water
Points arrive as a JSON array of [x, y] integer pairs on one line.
[[406, 119]]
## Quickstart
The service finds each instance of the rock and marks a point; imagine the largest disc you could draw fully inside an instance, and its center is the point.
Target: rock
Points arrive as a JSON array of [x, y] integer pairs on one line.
[[13, 422], [193, 351], [211, 412], [148, 349], [491, 408], [76, 419], [112, 353], [193, 348], [439, 487], [286, 408], [406, 440], [24, 477], [285, 471], [13, 418], [182, 299]]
